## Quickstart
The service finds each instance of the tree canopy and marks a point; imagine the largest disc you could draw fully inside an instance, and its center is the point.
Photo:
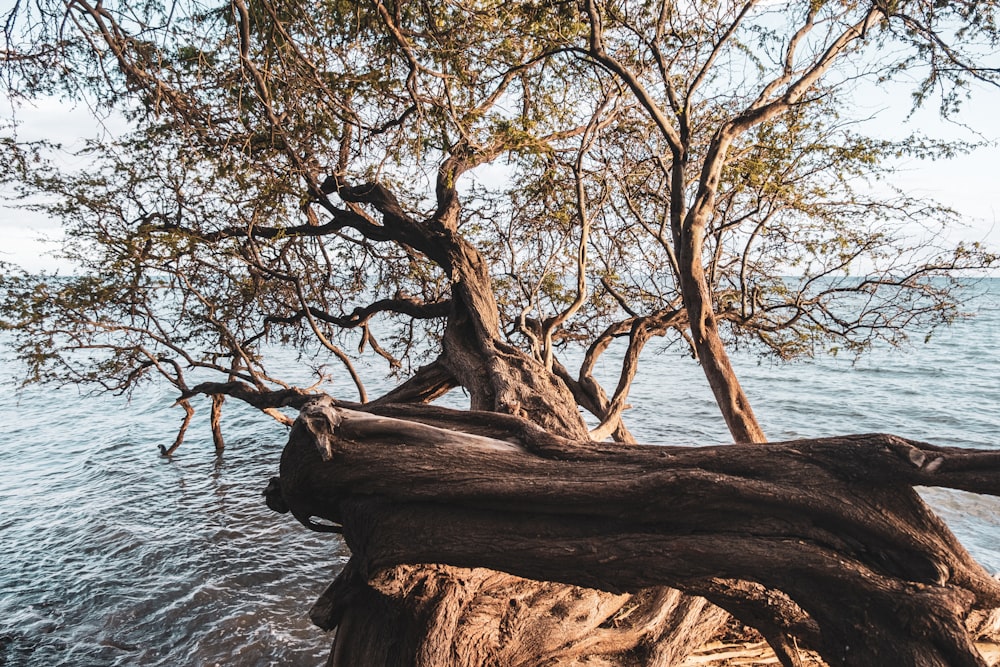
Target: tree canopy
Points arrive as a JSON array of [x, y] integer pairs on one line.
[[290, 173], [468, 189]]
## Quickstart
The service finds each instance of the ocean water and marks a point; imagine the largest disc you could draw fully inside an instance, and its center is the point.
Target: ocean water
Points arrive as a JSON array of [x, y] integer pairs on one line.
[[113, 555]]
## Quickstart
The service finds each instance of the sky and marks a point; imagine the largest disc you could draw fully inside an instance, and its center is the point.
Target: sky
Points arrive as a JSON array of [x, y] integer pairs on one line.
[[25, 236], [970, 184]]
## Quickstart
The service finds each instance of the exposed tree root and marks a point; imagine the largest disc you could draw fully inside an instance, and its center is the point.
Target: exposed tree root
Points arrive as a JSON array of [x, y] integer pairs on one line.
[[821, 544]]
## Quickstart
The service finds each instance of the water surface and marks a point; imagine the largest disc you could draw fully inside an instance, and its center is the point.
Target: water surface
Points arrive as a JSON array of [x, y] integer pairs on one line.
[[113, 555]]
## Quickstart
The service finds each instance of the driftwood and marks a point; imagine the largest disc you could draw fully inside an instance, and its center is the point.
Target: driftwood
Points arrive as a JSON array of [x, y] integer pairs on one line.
[[820, 542]]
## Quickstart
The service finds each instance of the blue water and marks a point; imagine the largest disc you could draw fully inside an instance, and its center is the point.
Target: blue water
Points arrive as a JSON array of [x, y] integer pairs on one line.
[[113, 555]]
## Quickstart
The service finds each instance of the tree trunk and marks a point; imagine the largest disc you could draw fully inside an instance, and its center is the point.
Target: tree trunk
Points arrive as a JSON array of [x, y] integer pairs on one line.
[[712, 355], [443, 615], [423, 614], [824, 539], [446, 615]]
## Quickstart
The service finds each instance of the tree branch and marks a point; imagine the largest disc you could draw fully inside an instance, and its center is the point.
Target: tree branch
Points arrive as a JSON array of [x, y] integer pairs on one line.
[[832, 524]]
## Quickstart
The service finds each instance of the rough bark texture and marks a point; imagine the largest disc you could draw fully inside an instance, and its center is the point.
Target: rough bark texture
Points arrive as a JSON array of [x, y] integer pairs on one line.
[[442, 615], [705, 335], [824, 540], [414, 620]]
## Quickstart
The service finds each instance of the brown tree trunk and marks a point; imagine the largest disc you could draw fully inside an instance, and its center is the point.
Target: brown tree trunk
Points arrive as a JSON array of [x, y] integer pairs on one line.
[[497, 376], [443, 615], [446, 614], [439, 615], [711, 351], [824, 539]]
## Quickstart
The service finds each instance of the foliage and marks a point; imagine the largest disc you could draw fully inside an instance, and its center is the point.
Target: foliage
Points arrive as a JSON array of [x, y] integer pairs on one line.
[[298, 173]]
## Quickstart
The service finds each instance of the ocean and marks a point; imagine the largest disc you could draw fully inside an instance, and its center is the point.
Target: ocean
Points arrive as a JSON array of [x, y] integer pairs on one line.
[[114, 555]]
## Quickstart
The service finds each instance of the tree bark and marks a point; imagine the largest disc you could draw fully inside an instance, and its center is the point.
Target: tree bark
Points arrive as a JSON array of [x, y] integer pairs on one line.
[[396, 628], [729, 395], [443, 615], [822, 539]]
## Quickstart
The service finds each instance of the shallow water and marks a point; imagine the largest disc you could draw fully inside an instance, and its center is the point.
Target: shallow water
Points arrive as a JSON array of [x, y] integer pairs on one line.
[[113, 555], [116, 556]]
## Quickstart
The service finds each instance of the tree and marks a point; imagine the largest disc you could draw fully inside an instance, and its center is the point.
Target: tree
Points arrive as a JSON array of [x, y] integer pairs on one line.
[[316, 176]]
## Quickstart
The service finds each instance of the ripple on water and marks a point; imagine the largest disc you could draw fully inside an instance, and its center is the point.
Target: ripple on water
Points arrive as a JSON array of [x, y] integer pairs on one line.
[[116, 556]]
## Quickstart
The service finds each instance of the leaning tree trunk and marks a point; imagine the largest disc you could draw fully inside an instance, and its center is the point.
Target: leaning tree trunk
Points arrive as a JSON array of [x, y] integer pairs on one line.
[[711, 350], [437, 615], [824, 540]]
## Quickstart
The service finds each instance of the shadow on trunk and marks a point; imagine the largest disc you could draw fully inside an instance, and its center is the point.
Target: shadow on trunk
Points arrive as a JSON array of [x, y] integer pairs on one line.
[[817, 543]]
